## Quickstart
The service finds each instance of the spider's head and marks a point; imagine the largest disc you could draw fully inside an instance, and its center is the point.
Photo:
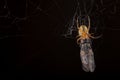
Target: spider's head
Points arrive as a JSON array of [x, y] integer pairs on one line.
[[83, 29]]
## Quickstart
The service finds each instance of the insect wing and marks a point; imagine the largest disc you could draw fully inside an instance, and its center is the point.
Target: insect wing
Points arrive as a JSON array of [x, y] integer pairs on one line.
[[87, 57]]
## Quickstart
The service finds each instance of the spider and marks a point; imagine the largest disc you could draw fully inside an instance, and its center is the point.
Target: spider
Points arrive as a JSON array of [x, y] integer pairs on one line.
[[83, 32]]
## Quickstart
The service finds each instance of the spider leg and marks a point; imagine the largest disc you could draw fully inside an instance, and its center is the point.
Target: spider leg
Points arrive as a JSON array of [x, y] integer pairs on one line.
[[78, 40], [88, 23], [91, 33], [94, 37], [77, 36], [77, 24]]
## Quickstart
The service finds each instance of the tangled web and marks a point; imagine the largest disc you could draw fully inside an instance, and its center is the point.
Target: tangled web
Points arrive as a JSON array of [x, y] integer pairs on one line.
[[12, 18]]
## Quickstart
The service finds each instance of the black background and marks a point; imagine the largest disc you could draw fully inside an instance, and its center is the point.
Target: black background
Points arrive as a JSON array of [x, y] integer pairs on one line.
[[33, 46]]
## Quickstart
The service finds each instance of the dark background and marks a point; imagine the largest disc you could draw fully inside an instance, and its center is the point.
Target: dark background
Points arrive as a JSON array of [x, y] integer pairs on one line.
[[31, 43]]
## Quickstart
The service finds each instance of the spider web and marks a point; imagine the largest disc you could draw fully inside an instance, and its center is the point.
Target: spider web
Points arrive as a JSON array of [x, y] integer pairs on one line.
[[99, 11], [96, 11], [10, 19], [103, 14]]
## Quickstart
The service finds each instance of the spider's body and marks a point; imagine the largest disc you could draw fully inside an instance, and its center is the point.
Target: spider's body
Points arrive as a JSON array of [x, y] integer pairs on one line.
[[83, 32]]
